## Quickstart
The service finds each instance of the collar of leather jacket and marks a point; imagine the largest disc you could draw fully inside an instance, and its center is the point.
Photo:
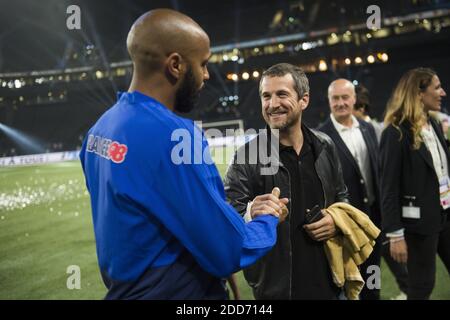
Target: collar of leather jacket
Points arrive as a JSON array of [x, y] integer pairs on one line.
[[316, 138]]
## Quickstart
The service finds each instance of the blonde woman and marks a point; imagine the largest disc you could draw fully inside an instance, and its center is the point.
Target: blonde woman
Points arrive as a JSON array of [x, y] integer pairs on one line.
[[415, 180]]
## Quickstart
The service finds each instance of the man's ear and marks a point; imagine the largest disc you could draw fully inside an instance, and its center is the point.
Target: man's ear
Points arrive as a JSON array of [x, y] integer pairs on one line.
[[174, 64], [304, 101]]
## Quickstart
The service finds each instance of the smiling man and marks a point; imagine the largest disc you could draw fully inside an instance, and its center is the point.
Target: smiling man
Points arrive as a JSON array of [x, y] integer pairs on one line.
[[309, 174]]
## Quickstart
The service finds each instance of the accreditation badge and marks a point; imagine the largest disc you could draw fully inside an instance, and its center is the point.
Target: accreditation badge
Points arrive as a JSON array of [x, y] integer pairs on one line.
[[444, 192]]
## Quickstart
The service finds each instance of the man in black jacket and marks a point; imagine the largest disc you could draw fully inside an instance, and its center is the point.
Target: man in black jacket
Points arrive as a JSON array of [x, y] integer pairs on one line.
[[305, 166], [357, 147]]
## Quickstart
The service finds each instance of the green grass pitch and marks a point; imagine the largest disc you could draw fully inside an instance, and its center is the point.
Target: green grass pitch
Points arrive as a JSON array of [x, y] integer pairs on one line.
[[46, 226]]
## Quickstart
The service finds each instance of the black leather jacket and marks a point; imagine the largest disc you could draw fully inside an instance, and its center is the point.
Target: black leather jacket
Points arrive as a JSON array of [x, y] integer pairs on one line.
[[270, 277]]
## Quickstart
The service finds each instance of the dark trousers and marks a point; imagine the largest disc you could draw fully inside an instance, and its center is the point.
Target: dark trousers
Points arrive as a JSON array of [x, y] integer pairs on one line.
[[422, 261], [367, 272], [399, 270], [371, 267], [444, 245]]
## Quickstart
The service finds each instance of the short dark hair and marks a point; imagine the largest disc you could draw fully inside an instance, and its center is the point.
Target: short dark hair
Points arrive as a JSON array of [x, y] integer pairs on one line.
[[362, 98], [301, 83]]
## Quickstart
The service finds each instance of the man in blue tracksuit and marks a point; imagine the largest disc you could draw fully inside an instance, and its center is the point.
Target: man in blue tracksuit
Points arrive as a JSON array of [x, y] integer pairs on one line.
[[162, 226]]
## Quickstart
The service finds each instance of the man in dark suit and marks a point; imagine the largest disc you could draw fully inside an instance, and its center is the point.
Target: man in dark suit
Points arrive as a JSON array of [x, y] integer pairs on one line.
[[356, 144]]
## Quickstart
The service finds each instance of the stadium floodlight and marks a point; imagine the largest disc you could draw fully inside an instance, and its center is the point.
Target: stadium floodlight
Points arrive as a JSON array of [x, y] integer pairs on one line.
[[23, 140], [323, 65]]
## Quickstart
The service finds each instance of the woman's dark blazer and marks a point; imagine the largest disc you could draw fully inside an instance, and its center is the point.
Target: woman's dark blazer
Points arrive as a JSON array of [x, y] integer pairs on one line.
[[408, 175]]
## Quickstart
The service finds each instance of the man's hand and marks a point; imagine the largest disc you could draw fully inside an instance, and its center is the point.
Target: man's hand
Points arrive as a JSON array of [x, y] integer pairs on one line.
[[399, 250], [283, 202], [270, 204], [323, 229]]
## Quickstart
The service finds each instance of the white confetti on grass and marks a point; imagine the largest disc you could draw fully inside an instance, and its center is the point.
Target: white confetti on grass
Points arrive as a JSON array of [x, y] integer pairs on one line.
[[22, 197]]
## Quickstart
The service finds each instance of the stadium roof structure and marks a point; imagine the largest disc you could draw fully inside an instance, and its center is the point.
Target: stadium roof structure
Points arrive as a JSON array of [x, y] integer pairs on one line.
[[34, 35]]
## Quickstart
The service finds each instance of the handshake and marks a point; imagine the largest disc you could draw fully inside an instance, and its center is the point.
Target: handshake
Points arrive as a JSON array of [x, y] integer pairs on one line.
[[270, 204], [319, 224]]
